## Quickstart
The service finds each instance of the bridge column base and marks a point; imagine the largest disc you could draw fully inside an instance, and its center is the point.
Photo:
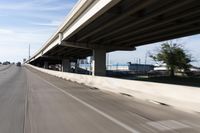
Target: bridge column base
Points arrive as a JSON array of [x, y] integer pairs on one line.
[[99, 62], [46, 65], [38, 64], [66, 65]]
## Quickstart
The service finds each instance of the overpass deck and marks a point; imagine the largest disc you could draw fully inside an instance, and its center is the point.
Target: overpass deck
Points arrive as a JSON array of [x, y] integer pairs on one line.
[[120, 25]]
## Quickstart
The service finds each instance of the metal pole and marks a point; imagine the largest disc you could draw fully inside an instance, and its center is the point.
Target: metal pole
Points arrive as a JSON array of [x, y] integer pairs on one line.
[[145, 62], [29, 52]]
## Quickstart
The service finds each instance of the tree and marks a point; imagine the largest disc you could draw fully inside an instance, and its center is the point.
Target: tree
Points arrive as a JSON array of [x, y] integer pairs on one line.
[[174, 56]]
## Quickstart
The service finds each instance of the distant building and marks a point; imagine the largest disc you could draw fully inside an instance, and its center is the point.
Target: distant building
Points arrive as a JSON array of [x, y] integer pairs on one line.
[[118, 67], [140, 67], [163, 70], [123, 67], [162, 67], [194, 69]]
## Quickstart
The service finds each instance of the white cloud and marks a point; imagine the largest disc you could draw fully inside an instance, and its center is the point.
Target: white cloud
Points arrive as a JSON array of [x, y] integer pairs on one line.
[[15, 6], [9, 52], [33, 22], [34, 6], [6, 31], [52, 23], [14, 43]]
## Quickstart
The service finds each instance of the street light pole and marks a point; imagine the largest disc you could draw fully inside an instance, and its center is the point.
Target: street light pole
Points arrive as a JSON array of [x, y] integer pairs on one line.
[[29, 52]]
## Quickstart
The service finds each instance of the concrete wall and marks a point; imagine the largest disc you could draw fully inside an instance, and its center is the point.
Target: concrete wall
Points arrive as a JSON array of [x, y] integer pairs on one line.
[[181, 97]]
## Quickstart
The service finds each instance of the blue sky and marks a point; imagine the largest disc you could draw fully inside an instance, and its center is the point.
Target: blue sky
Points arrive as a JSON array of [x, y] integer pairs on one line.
[[32, 22], [25, 22]]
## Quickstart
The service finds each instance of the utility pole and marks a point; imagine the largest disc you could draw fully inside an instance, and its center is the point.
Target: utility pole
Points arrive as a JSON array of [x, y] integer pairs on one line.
[[29, 52], [145, 62], [108, 61]]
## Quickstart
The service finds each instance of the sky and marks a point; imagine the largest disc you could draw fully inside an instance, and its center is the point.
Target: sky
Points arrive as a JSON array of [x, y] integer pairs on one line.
[[24, 22]]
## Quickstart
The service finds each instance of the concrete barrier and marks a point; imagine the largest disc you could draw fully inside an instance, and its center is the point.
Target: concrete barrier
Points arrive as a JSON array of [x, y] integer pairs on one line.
[[182, 97]]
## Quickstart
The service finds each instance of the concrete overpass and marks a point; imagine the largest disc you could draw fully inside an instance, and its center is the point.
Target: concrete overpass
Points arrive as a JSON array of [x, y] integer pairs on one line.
[[95, 27]]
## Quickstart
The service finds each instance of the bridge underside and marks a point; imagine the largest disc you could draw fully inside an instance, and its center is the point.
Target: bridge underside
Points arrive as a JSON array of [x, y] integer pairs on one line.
[[72, 53], [139, 22], [132, 23]]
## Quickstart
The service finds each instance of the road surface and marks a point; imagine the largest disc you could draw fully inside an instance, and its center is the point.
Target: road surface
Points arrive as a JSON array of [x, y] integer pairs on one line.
[[3, 67], [34, 102]]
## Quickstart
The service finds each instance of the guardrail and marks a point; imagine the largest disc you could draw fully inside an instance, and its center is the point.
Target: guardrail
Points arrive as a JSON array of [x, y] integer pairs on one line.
[[182, 97]]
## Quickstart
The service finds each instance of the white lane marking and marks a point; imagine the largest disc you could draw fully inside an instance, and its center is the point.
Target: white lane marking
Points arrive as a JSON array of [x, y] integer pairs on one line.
[[168, 125], [93, 108]]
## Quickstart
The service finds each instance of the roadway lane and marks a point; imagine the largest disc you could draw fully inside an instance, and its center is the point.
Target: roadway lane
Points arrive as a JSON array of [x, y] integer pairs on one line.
[[59, 106], [13, 88], [4, 67]]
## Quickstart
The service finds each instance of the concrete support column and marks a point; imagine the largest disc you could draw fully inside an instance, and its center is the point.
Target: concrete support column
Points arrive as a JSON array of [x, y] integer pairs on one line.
[[66, 65], [38, 64], [99, 62], [46, 65], [76, 66]]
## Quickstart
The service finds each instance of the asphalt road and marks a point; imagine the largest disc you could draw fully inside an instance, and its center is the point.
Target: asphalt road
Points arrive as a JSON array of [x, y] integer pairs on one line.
[[34, 102], [4, 67], [13, 88]]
